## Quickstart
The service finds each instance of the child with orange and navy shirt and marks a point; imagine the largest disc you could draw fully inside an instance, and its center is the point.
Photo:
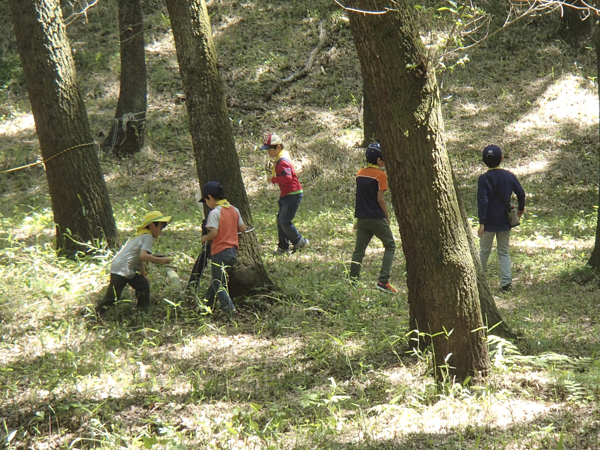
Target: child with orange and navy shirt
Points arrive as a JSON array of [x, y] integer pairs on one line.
[[372, 218], [223, 223]]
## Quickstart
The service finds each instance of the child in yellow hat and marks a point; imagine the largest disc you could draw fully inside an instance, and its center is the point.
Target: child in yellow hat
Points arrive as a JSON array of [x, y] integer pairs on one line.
[[127, 267]]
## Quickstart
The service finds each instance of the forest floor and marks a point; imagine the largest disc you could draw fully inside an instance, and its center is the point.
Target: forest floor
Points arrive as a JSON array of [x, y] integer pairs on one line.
[[317, 365]]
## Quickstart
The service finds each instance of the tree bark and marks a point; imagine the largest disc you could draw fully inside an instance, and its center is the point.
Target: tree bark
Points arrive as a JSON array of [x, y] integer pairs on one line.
[[126, 136], [594, 260], [82, 209], [212, 136], [369, 129], [441, 277]]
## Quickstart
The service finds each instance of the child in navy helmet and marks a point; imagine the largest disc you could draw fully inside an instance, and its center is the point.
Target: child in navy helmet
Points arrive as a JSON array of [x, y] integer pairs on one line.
[[372, 218], [494, 189]]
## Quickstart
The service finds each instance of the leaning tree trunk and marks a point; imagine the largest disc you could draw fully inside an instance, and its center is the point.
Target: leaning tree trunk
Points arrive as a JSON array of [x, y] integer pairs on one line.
[[594, 260], [126, 136], [212, 136], [82, 209], [441, 277]]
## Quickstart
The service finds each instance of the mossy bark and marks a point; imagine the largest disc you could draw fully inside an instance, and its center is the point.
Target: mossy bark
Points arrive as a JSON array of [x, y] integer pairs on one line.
[[80, 201], [441, 277], [212, 136], [126, 136]]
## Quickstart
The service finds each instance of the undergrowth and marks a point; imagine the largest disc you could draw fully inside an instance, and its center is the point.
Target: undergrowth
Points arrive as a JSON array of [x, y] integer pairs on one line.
[[318, 364]]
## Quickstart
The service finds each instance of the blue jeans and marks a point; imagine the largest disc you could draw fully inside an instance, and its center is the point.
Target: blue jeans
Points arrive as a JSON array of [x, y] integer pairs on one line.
[[485, 248], [220, 265], [286, 231]]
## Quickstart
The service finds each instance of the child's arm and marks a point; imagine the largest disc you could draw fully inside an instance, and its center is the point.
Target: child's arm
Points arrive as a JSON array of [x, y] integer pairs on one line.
[[242, 228], [381, 202], [212, 233], [147, 256], [142, 268]]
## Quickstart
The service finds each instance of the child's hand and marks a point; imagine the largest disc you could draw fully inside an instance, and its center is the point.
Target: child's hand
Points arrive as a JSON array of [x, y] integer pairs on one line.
[[269, 179], [165, 261]]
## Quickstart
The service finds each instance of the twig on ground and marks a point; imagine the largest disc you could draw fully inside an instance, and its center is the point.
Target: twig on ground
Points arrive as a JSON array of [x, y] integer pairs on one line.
[[304, 71]]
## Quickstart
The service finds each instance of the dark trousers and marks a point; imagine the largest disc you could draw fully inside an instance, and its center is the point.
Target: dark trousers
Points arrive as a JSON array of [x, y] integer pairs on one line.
[[115, 289], [220, 265], [365, 230], [286, 231]]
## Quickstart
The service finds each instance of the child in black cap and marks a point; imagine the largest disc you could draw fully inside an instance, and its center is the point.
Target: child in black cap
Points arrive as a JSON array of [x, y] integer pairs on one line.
[[223, 223], [372, 218], [494, 189]]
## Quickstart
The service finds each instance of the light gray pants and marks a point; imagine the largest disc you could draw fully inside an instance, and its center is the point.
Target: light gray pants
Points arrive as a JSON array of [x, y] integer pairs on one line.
[[485, 248]]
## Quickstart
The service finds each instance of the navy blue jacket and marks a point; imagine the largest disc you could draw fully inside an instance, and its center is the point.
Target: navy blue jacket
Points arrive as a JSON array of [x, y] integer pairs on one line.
[[491, 209]]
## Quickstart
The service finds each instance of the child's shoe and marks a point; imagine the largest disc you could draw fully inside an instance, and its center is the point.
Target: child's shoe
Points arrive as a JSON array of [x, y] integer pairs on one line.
[[387, 287], [282, 251], [304, 243]]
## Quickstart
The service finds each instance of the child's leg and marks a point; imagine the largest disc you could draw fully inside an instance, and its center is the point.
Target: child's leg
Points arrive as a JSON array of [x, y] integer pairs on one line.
[[288, 206], [142, 290], [220, 266], [502, 239], [363, 237], [485, 247], [381, 229], [113, 292]]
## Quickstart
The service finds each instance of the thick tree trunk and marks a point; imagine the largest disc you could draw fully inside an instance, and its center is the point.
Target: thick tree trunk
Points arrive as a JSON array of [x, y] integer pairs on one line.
[[126, 136], [212, 136], [594, 260], [441, 277], [82, 209], [369, 129]]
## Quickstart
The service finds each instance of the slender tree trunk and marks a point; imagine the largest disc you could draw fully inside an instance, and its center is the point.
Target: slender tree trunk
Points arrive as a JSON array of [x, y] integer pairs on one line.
[[126, 136], [212, 136], [441, 277], [594, 260], [82, 209]]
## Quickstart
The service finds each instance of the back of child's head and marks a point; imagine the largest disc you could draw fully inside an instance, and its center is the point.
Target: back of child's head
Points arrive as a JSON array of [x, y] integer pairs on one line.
[[214, 189], [492, 156], [373, 153]]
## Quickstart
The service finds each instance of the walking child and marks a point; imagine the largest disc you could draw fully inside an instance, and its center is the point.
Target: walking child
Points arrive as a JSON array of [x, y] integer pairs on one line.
[[494, 189], [372, 218], [284, 175], [127, 268], [223, 223]]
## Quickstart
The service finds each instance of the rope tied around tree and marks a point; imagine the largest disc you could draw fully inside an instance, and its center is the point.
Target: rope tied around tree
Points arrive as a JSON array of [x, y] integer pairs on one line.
[[45, 162]]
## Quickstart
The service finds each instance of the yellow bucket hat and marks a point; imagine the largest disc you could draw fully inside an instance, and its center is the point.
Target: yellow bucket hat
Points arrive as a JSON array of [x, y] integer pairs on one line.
[[155, 216]]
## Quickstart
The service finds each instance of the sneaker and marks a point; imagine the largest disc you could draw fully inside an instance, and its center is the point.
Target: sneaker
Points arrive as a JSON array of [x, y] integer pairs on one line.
[[387, 287], [282, 251], [506, 288], [304, 243]]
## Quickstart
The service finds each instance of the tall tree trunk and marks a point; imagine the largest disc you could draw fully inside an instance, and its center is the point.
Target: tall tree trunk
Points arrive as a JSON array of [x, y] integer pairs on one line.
[[369, 129], [82, 209], [441, 277], [212, 136], [594, 260], [126, 136]]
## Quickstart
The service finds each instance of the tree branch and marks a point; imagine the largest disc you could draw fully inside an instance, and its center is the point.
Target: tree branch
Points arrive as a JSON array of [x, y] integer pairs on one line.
[[304, 71]]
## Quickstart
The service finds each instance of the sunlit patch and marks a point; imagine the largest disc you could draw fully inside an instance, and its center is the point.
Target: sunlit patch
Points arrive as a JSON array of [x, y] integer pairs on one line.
[[17, 125], [568, 101]]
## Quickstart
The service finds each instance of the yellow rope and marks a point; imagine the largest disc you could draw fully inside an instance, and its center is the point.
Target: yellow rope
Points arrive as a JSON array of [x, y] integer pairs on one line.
[[14, 169]]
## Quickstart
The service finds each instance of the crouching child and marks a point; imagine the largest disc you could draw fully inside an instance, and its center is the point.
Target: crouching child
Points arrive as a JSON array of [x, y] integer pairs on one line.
[[127, 268], [223, 223]]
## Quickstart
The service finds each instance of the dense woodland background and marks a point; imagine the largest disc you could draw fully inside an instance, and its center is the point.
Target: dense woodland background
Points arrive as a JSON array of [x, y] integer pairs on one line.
[[315, 364]]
